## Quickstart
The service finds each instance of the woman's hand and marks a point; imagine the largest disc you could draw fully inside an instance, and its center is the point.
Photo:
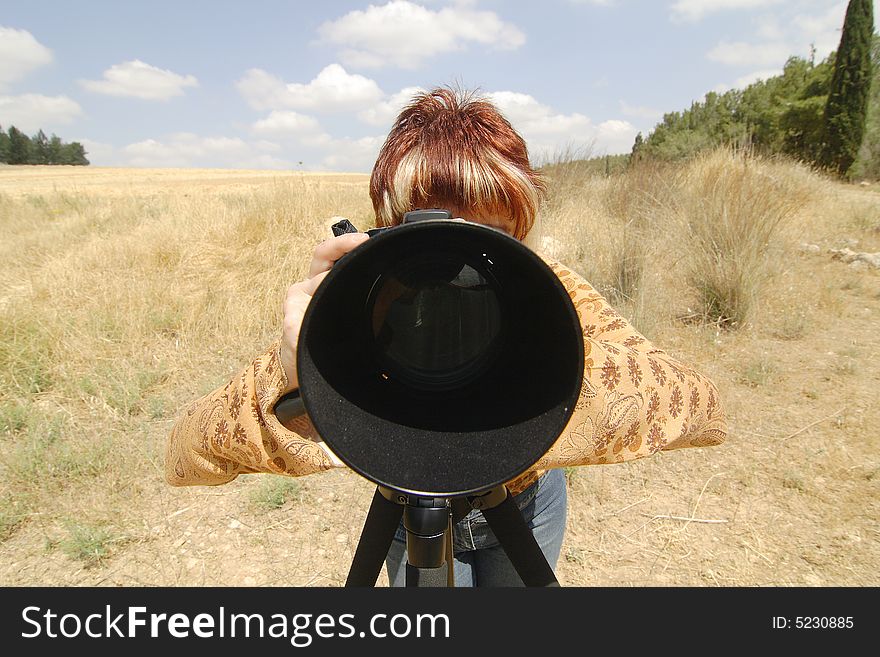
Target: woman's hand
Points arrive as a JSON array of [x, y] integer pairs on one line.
[[300, 294]]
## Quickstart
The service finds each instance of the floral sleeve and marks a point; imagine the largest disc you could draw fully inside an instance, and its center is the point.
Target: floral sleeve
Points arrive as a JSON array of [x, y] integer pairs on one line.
[[635, 399], [234, 430]]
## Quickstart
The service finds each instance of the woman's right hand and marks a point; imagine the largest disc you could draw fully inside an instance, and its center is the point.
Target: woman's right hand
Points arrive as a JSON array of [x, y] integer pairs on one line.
[[300, 294]]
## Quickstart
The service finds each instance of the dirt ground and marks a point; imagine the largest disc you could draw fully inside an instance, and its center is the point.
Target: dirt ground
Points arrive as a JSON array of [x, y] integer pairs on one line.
[[790, 499]]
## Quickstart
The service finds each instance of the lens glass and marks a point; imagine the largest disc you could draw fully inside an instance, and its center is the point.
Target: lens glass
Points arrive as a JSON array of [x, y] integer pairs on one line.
[[435, 322]]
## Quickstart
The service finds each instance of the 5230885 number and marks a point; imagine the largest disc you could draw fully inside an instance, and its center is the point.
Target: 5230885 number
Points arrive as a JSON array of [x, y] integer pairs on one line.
[[823, 622]]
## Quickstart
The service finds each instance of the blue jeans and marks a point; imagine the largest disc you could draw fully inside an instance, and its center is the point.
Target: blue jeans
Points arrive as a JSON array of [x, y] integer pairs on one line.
[[479, 558]]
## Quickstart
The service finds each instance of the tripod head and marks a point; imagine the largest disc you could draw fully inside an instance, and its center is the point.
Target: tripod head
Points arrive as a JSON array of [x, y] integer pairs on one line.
[[428, 522]]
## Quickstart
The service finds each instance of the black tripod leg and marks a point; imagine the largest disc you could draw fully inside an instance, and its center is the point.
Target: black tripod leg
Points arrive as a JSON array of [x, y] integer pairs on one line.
[[509, 526], [382, 521]]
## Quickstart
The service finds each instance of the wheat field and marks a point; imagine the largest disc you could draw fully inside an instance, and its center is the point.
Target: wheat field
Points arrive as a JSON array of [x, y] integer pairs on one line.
[[127, 293]]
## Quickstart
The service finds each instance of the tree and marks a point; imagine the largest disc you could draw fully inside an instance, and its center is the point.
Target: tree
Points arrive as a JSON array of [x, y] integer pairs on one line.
[[801, 119], [19, 146], [55, 147], [847, 106], [4, 146], [73, 153], [39, 149], [867, 164], [637, 146], [800, 125]]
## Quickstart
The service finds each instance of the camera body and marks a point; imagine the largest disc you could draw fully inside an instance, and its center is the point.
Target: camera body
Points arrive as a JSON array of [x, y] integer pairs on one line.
[[414, 216]]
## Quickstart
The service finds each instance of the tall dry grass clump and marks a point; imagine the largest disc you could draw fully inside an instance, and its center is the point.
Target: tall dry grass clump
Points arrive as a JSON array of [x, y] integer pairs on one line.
[[610, 227], [634, 201], [730, 208], [697, 240]]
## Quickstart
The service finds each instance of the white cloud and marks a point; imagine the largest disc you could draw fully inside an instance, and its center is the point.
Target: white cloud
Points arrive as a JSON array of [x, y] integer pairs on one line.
[[521, 108], [822, 30], [352, 155], [136, 79], [783, 33], [32, 112], [286, 122], [186, 149], [740, 53], [769, 29], [323, 152], [615, 136], [548, 133], [20, 53], [694, 10], [385, 111], [830, 21], [640, 112], [333, 89], [746, 80], [403, 34]]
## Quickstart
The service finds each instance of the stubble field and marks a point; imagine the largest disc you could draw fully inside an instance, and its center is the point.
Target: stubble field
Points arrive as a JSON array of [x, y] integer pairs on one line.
[[125, 294]]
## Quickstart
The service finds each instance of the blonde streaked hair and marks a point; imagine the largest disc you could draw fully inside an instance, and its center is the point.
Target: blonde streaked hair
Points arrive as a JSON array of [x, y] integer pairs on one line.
[[451, 149]]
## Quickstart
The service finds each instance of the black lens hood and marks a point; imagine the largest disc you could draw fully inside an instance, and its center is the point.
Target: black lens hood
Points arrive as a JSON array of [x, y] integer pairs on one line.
[[454, 440]]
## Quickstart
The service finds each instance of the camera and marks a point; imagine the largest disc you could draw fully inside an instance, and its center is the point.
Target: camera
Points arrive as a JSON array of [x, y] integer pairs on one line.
[[441, 357]]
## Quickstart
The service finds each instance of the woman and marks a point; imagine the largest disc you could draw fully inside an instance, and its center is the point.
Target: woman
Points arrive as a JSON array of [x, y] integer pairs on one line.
[[457, 152]]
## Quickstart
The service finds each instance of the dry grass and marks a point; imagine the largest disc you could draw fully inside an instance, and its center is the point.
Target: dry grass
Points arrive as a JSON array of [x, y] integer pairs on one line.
[[732, 208], [113, 306], [715, 223], [125, 294]]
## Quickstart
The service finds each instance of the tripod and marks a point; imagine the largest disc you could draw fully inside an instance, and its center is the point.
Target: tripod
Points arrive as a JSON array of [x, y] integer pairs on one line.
[[428, 522]]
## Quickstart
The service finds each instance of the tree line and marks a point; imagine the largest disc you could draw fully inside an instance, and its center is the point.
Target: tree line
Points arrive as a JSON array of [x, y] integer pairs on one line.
[[17, 148], [825, 113]]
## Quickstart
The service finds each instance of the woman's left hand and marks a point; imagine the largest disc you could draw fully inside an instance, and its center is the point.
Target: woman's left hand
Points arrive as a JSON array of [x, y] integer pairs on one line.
[[300, 294]]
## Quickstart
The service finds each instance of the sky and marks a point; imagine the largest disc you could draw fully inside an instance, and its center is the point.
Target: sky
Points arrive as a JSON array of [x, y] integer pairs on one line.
[[315, 86]]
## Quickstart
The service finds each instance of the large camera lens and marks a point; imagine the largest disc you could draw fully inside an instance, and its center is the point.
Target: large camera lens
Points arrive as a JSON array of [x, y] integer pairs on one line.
[[435, 321], [440, 358]]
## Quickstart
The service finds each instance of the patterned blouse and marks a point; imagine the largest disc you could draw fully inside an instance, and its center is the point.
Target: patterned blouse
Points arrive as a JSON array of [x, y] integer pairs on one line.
[[635, 401]]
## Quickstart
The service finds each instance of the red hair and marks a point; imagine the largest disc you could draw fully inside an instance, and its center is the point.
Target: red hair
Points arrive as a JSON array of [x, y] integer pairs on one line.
[[455, 150]]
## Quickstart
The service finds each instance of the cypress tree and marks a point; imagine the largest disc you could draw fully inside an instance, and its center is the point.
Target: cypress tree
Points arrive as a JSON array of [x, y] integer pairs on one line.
[[847, 105]]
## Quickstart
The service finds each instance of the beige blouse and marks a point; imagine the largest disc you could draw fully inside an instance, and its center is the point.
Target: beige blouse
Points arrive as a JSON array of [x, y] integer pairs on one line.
[[635, 400]]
